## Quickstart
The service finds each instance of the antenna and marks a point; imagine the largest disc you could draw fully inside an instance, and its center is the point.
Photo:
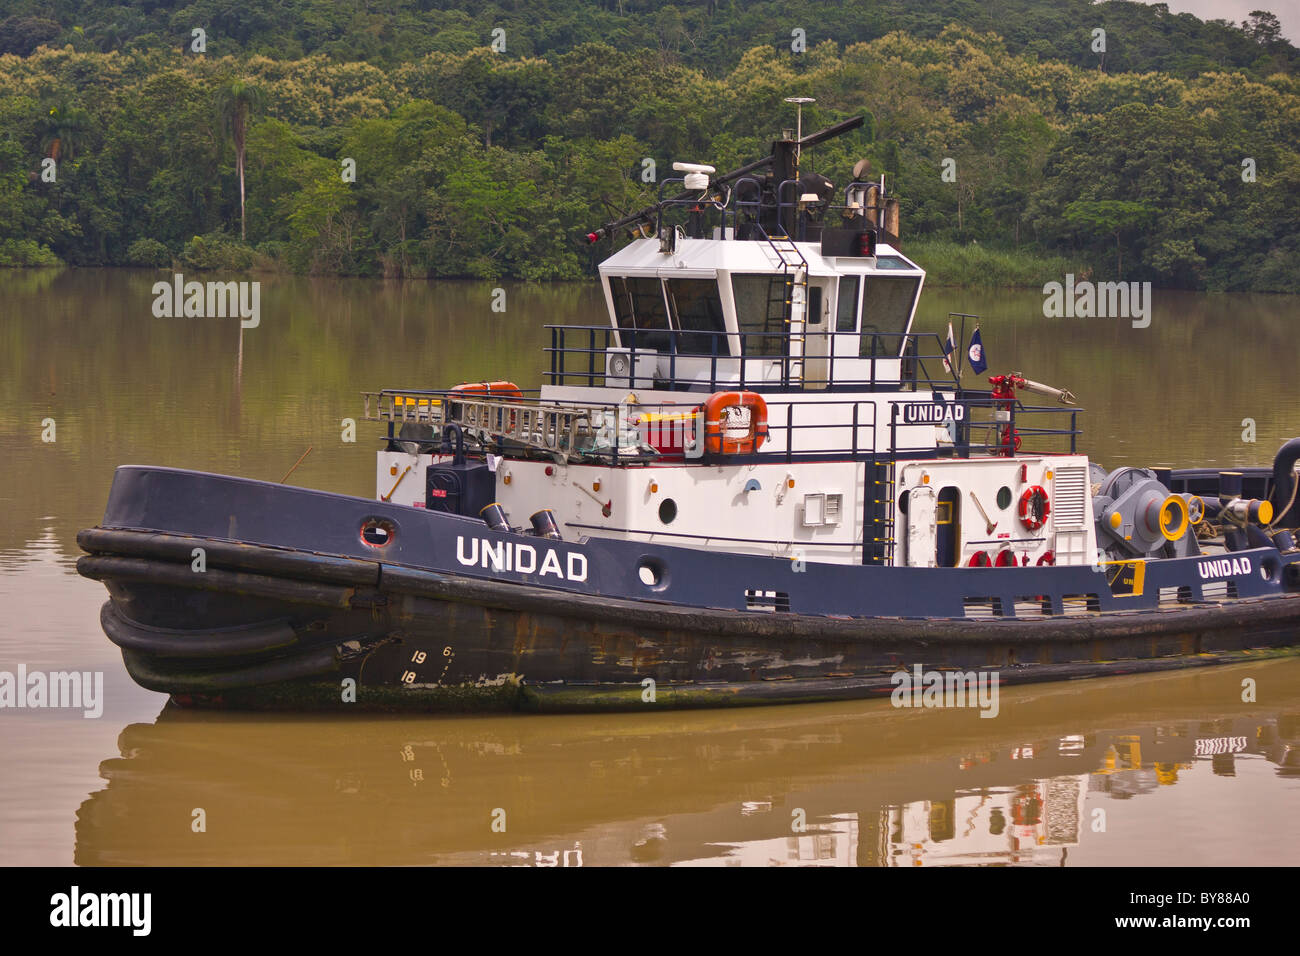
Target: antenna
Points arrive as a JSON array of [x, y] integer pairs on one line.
[[637, 220], [798, 101], [697, 174]]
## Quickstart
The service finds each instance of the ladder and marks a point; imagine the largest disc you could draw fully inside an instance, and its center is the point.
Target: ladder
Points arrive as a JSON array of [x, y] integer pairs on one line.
[[790, 284], [878, 533], [564, 431]]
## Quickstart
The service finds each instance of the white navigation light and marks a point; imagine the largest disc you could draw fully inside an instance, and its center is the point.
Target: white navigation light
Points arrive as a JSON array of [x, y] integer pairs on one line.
[[697, 174]]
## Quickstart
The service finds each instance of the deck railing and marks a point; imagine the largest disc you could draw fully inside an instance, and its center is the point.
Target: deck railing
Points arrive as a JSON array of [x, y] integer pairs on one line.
[[878, 360], [971, 424]]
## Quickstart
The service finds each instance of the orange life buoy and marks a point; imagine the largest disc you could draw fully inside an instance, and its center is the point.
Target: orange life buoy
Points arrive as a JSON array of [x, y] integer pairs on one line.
[[494, 389], [1034, 507], [716, 440]]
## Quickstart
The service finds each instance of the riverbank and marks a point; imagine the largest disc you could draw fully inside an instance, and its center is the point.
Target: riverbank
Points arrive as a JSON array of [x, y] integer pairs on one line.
[[971, 265], [947, 264]]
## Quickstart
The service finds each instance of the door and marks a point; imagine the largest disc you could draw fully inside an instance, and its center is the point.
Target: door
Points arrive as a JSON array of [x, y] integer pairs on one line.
[[817, 343], [948, 527], [921, 508]]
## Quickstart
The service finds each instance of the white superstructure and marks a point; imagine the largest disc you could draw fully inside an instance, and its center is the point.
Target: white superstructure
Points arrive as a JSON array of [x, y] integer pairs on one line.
[[760, 389]]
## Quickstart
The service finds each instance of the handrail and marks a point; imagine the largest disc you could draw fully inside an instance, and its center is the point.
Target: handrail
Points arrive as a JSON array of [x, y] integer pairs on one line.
[[726, 369], [622, 432]]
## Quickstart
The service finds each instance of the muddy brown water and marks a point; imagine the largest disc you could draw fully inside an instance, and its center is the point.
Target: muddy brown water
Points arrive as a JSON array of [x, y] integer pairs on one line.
[[1166, 769]]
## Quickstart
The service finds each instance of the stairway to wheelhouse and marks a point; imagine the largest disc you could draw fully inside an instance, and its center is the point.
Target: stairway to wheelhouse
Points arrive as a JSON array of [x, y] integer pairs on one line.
[[779, 317]]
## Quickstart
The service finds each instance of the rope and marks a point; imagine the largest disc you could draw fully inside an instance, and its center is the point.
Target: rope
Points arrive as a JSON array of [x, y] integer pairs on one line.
[[1295, 485]]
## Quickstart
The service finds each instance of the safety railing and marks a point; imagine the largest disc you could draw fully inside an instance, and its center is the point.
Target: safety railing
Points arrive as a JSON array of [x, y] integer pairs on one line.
[[700, 360], [967, 424], [744, 205]]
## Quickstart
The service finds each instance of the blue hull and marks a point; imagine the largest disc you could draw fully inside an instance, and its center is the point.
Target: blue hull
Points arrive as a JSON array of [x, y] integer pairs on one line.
[[285, 602]]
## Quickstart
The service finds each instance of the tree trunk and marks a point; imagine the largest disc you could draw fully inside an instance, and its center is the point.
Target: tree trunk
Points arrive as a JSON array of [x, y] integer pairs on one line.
[[239, 161]]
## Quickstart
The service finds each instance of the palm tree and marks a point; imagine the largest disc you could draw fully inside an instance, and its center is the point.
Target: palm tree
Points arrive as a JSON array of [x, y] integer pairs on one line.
[[235, 101], [62, 129]]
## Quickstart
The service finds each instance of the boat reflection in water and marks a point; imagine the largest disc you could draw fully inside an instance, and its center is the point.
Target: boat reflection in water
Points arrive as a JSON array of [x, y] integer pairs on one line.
[[1130, 770]]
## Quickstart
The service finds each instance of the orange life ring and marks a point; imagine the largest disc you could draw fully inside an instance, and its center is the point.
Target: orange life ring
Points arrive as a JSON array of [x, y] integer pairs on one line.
[[716, 441], [1034, 507]]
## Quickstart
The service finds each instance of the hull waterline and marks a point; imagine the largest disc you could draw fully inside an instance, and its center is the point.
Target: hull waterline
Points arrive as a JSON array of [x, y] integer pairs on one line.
[[255, 624]]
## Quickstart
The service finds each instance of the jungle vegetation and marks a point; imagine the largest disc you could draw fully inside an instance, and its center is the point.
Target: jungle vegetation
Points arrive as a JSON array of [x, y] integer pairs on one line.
[[391, 138]]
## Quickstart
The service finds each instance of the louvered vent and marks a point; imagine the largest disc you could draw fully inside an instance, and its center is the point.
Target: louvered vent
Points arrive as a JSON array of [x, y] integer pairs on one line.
[[1070, 507]]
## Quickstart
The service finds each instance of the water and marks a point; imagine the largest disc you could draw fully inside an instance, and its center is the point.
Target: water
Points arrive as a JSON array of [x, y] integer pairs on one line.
[[1182, 770]]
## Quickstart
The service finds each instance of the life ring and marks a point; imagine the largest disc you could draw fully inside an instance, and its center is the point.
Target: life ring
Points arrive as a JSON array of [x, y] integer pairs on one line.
[[1034, 507], [980, 559], [716, 440]]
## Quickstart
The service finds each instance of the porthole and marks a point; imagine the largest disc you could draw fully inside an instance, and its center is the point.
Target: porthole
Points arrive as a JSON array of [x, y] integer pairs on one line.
[[378, 532], [667, 510], [1004, 497], [652, 572]]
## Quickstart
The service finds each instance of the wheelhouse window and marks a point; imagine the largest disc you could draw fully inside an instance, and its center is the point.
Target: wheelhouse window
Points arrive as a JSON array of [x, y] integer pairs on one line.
[[697, 313], [640, 311], [886, 306], [846, 313], [760, 313]]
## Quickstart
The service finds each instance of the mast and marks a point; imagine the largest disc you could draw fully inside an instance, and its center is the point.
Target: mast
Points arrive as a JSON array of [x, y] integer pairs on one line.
[[784, 161]]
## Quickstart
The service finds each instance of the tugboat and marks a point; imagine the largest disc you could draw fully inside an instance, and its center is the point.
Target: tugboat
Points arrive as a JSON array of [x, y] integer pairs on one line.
[[757, 484]]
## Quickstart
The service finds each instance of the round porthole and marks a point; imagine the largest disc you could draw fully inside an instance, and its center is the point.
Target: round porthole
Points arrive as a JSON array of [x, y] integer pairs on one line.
[[1004, 497], [652, 572], [667, 510], [378, 532]]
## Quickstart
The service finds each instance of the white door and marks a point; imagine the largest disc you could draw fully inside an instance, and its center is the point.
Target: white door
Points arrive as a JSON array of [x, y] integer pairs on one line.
[[816, 367], [921, 527]]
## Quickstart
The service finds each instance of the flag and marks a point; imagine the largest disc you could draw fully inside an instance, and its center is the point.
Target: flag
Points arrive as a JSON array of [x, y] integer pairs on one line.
[[949, 347], [978, 365]]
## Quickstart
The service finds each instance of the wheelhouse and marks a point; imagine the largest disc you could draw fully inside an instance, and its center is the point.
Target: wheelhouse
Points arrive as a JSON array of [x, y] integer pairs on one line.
[[713, 314]]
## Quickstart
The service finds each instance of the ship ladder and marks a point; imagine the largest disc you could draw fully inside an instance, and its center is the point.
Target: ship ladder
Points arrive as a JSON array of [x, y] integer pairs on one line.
[[878, 527], [794, 275]]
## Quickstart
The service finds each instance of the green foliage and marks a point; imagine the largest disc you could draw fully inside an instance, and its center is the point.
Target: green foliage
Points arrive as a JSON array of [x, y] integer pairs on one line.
[[25, 252], [216, 251], [972, 264], [708, 36], [396, 143], [149, 253]]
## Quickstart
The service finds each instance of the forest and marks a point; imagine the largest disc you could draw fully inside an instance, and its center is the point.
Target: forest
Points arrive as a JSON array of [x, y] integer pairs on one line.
[[419, 139]]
